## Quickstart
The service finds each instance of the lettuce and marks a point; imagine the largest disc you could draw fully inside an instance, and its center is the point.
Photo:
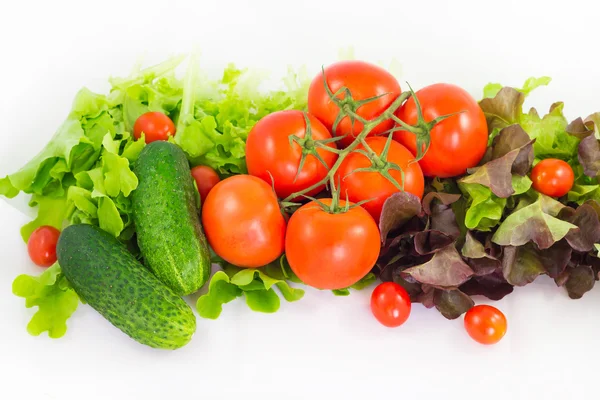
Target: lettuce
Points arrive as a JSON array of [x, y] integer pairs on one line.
[[53, 295]]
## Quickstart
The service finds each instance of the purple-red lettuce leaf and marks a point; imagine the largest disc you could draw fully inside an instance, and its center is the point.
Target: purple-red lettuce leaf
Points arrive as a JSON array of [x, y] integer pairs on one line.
[[478, 259], [397, 210], [452, 303], [446, 269], [587, 231], [589, 155], [533, 223], [493, 286], [522, 265], [577, 280], [431, 241]]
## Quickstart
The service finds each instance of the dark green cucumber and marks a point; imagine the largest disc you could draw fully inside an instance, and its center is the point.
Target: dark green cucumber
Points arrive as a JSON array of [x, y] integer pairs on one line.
[[114, 283], [167, 219]]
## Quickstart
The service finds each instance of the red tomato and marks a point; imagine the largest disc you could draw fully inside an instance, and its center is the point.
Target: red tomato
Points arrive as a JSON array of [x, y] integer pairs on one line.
[[155, 126], [243, 223], [457, 143], [331, 251], [552, 177], [485, 324], [42, 245], [372, 185], [390, 304], [364, 81], [270, 156], [206, 178]]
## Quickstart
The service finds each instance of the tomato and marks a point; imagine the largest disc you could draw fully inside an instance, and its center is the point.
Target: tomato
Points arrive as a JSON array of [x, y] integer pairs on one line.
[[41, 246], [552, 177], [364, 81], [206, 178], [155, 126], [457, 143], [485, 324], [243, 223], [331, 251], [372, 185], [390, 304], [270, 156]]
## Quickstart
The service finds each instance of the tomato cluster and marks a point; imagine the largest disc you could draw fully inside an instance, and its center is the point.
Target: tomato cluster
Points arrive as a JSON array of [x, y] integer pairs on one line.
[[355, 147]]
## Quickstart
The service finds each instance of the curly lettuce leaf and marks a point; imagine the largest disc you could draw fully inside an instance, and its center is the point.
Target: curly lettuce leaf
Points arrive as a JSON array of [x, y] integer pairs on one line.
[[52, 294], [51, 212], [491, 89], [256, 285], [532, 223], [505, 108], [212, 130]]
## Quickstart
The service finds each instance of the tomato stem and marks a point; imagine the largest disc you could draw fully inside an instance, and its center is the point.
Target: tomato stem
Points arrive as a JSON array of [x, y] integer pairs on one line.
[[348, 108]]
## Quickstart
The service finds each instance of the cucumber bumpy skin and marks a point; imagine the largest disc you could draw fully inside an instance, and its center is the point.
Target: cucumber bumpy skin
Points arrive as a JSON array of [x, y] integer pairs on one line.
[[167, 219], [109, 278]]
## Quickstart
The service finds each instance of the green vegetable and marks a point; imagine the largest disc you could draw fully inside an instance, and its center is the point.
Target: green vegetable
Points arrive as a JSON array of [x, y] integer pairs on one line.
[[505, 108], [53, 295], [212, 127], [115, 284], [255, 284], [167, 219], [360, 285]]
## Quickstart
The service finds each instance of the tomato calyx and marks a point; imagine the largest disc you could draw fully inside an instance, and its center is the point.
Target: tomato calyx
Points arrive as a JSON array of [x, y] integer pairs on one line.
[[348, 106], [309, 146], [422, 128], [380, 164]]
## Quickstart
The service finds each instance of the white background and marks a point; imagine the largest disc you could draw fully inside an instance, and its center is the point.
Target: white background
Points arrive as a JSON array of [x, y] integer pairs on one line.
[[323, 346]]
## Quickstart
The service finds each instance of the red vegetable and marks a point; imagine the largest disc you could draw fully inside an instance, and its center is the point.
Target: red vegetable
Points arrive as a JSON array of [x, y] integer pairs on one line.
[[372, 185], [458, 142], [206, 178], [552, 177], [331, 250], [42, 245], [271, 157], [485, 324], [243, 223], [155, 126], [390, 304], [364, 81]]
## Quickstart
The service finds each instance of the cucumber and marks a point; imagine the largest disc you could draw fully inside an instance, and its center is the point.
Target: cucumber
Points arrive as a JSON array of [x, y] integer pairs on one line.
[[109, 278], [167, 219]]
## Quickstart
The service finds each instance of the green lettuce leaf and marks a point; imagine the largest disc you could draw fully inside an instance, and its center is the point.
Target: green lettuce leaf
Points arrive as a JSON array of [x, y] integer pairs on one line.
[[532, 223], [55, 298], [212, 129], [255, 284], [504, 106]]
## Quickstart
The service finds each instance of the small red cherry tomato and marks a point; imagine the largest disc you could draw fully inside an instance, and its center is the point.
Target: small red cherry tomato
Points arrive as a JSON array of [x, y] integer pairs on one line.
[[42, 245], [154, 125], [206, 178], [390, 304], [552, 177], [485, 324]]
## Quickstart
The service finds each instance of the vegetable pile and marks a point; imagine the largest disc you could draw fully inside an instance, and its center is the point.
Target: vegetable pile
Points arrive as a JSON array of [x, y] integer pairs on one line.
[[332, 183]]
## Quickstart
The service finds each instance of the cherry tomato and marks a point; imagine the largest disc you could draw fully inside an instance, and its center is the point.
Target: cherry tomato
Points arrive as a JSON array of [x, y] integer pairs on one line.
[[155, 126], [372, 185], [390, 304], [364, 81], [206, 178], [243, 223], [270, 156], [552, 177], [457, 143], [485, 324], [331, 250], [41, 246]]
